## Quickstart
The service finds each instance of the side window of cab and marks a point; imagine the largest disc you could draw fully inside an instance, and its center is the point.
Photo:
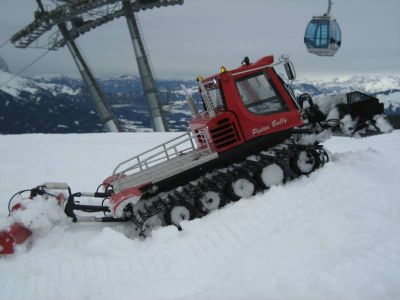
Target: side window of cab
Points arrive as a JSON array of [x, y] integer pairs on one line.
[[215, 93]]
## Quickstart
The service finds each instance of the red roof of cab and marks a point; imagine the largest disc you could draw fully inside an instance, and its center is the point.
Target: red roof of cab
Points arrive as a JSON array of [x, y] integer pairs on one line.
[[264, 61]]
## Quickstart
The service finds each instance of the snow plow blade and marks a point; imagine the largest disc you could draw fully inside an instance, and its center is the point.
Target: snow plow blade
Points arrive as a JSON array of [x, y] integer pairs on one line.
[[41, 208], [20, 230], [351, 114], [363, 106], [15, 235], [364, 110]]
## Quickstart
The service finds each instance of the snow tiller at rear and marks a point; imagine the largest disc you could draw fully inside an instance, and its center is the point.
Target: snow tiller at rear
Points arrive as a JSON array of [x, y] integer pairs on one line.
[[252, 133]]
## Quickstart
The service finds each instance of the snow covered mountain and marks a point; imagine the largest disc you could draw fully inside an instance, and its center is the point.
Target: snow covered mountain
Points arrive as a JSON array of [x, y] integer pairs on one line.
[[27, 105], [332, 235], [60, 104], [386, 88]]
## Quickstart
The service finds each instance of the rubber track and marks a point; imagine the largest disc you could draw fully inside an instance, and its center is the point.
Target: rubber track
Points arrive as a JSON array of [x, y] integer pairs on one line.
[[217, 180]]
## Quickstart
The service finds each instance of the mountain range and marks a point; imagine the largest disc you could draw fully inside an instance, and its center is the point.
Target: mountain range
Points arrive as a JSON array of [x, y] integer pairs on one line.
[[61, 104]]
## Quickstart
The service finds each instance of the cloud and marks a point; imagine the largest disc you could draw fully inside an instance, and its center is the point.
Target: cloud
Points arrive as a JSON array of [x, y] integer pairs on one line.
[[201, 35]]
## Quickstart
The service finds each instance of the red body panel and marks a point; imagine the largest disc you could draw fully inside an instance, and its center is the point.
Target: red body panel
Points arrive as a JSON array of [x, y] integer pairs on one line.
[[247, 124], [223, 131], [15, 235], [120, 200], [112, 178]]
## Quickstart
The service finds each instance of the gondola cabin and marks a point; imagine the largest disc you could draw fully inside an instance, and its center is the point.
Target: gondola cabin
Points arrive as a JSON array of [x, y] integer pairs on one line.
[[323, 36]]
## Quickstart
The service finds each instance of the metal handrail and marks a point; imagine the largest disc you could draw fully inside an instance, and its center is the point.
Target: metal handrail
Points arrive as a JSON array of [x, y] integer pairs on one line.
[[142, 163], [135, 157], [154, 169]]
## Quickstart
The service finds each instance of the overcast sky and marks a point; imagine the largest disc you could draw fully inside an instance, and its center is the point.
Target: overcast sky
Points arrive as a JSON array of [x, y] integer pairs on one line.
[[201, 35]]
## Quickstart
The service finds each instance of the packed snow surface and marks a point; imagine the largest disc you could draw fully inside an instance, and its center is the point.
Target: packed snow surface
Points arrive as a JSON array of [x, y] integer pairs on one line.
[[332, 235]]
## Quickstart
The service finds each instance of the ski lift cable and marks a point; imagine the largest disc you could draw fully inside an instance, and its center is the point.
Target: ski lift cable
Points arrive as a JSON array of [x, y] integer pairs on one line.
[[24, 68]]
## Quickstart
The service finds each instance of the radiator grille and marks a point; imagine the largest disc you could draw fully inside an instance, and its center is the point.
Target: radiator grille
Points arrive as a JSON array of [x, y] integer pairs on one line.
[[225, 134]]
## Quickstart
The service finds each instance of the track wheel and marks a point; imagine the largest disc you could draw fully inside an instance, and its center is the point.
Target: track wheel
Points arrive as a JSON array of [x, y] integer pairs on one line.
[[241, 187], [150, 224], [304, 162], [272, 174], [210, 201], [179, 212]]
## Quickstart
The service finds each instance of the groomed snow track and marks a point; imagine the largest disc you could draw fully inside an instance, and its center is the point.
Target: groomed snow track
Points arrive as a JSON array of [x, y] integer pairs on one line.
[[331, 235]]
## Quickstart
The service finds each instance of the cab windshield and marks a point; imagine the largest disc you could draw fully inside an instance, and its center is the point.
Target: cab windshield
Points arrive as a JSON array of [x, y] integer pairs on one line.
[[259, 95]]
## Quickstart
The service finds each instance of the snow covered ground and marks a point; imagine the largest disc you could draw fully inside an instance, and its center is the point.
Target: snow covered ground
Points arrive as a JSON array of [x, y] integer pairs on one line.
[[332, 235]]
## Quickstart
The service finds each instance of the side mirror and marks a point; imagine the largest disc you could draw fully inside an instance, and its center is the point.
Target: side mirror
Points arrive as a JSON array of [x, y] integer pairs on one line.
[[289, 71]]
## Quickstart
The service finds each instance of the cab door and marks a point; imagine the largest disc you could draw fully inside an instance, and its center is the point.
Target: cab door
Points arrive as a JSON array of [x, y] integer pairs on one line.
[[260, 102]]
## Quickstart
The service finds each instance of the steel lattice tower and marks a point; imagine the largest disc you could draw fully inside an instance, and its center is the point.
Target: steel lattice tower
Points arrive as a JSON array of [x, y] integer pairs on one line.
[[73, 18]]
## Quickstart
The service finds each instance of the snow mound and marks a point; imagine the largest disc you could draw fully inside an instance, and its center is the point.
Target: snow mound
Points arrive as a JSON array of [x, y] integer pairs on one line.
[[327, 103], [39, 215], [383, 124]]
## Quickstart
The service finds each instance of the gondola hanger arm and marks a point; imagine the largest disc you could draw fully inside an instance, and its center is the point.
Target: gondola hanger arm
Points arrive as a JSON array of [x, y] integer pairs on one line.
[[329, 8]]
